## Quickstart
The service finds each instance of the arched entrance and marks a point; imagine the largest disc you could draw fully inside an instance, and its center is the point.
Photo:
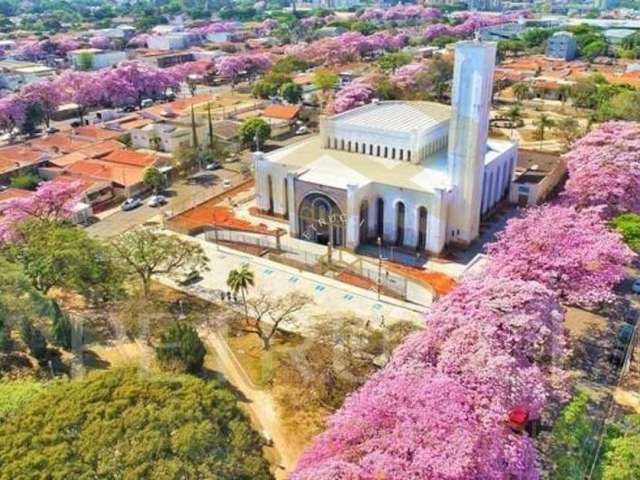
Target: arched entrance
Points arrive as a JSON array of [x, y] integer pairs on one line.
[[422, 228], [364, 222], [400, 211], [321, 220], [380, 218]]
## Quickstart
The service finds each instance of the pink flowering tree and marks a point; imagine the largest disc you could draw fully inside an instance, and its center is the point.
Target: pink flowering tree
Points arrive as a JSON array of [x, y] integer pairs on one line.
[[359, 92], [51, 201], [604, 168], [46, 93], [439, 409], [407, 75], [231, 66], [571, 252], [81, 88], [101, 42], [13, 109], [139, 41]]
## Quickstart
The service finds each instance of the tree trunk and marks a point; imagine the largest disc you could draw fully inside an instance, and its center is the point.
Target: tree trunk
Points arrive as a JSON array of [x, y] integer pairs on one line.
[[266, 343]]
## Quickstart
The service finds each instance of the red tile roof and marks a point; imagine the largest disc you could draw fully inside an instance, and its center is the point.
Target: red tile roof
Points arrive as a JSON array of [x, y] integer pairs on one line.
[[96, 133], [118, 174], [282, 112], [129, 157], [11, 193], [59, 143]]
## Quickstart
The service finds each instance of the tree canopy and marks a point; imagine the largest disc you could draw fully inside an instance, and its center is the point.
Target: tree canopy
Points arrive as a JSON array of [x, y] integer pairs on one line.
[[123, 424]]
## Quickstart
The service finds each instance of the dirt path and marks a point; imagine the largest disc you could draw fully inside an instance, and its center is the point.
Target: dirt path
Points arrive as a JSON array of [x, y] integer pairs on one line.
[[260, 402]]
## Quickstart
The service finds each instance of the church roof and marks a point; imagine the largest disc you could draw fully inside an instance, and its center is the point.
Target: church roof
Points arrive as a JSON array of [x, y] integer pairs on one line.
[[396, 116]]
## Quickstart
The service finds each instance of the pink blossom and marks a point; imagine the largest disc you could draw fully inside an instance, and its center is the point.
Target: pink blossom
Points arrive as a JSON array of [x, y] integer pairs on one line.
[[571, 252], [406, 76], [604, 168], [355, 94], [101, 42], [51, 201], [230, 66], [12, 112]]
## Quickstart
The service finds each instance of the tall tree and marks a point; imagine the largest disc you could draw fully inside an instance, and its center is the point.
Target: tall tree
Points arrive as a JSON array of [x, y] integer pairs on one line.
[[145, 253], [269, 314], [180, 349], [239, 280]]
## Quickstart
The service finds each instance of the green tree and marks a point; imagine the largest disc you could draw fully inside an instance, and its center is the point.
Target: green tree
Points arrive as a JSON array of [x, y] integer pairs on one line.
[[536, 37], [146, 253], [542, 124], [514, 114], [520, 91], [33, 339], [25, 181], [325, 81], [628, 224], [180, 349], [84, 61], [61, 328], [255, 128], [239, 280], [435, 82], [622, 455], [626, 105], [390, 62], [270, 84], [54, 254], [5, 336], [289, 65], [154, 179], [568, 130], [124, 424], [291, 92], [572, 440]]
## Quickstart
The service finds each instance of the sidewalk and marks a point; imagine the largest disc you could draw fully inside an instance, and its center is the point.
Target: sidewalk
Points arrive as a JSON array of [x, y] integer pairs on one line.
[[329, 296]]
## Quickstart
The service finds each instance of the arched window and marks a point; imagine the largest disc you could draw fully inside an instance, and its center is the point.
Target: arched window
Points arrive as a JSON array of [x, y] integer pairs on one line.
[[364, 221], [380, 218], [270, 190], [400, 214], [422, 228]]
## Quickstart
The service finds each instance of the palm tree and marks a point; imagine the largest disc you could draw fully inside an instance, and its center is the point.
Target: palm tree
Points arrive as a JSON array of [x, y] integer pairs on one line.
[[520, 91], [239, 280], [543, 123], [514, 113]]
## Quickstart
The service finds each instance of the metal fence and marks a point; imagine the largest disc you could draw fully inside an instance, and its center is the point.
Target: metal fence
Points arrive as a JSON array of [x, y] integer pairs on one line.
[[284, 253]]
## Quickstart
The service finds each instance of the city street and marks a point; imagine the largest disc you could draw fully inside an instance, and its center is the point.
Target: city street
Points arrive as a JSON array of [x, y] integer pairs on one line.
[[181, 195]]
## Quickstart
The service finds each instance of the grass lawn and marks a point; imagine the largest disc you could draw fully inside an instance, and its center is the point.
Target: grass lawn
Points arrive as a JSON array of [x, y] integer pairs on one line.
[[259, 364]]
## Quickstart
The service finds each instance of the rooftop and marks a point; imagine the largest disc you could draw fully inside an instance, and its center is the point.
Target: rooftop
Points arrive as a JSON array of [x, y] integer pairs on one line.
[[338, 169], [11, 193], [282, 112], [396, 116]]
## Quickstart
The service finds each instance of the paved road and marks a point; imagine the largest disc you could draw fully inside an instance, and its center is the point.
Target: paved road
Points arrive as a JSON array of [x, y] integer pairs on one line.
[[180, 195]]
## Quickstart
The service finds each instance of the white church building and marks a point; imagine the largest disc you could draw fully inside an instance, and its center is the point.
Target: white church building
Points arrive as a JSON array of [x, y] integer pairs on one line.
[[417, 174]]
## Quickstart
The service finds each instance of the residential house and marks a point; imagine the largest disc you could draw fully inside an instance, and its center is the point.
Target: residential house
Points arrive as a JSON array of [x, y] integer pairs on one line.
[[282, 118], [19, 159], [95, 58], [535, 176], [15, 74]]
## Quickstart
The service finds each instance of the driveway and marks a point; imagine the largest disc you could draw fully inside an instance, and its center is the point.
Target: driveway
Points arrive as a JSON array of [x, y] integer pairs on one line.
[[181, 195]]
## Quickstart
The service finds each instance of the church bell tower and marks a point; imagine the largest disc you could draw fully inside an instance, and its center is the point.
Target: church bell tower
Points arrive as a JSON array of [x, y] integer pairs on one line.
[[468, 131]]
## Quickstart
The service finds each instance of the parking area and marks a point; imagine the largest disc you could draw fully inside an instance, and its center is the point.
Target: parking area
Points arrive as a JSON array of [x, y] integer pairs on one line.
[[180, 195]]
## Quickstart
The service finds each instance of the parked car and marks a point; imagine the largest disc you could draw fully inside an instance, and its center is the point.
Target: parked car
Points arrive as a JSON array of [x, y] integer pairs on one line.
[[192, 277], [53, 130], [131, 203], [213, 166], [75, 124], [636, 285], [157, 201], [226, 183], [302, 130], [129, 108], [146, 103]]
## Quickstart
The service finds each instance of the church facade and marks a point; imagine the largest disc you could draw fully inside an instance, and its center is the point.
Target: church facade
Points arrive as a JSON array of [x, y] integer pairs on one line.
[[417, 175]]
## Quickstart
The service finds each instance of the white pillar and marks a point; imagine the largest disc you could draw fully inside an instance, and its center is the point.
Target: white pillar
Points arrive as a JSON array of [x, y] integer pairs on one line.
[[353, 217], [469, 126], [293, 211], [262, 185]]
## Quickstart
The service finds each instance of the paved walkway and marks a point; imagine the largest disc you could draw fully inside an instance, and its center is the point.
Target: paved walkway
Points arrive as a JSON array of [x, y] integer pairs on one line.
[[259, 402], [329, 296]]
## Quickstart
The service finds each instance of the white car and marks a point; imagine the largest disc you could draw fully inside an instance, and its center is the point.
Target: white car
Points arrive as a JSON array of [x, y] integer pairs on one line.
[[636, 285], [157, 201], [302, 130], [226, 183], [131, 203]]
